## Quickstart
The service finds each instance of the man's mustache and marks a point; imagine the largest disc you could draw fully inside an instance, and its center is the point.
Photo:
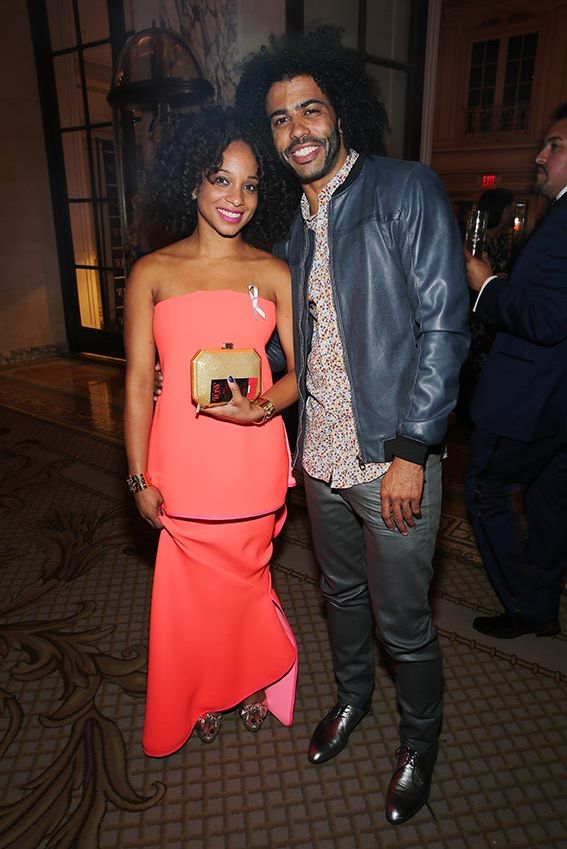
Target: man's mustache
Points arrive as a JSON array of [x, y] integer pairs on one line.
[[302, 140]]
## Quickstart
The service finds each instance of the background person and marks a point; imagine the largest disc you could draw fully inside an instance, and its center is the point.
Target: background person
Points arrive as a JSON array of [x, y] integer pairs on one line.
[[520, 412]]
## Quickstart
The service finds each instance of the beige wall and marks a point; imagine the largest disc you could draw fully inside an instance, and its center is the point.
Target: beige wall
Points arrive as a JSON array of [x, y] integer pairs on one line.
[[31, 310]]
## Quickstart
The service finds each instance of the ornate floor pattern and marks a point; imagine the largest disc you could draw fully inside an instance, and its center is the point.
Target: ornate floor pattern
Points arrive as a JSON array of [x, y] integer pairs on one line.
[[76, 566]]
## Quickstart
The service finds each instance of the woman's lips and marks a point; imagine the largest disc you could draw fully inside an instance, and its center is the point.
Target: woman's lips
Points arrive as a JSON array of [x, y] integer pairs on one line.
[[230, 215]]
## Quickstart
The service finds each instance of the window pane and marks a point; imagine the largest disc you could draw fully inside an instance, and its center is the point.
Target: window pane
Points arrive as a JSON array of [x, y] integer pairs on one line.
[[512, 71], [76, 164], [393, 86], [61, 24], [482, 81], [478, 53], [475, 80], [525, 93], [492, 48], [93, 17], [98, 74], [509, 95], [387, 29], [82, 227], [334, 12], [474, 98], [90, 302], [490, 75], [530, 44], [515, 47], [111, 235], [69, 96], [115, 297], [487, 98], [527, 70], [106, 178]]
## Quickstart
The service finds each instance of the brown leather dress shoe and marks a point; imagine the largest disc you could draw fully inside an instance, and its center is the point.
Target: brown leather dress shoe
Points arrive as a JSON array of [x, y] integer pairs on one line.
[[410, 784], [331, 735]]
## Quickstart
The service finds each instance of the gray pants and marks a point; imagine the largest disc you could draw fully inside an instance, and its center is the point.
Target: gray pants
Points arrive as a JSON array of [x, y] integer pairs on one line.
[[371, 574]]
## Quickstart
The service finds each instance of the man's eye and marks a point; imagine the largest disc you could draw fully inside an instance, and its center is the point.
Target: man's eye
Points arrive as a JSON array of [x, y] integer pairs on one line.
[[312, 111], [279, 122]]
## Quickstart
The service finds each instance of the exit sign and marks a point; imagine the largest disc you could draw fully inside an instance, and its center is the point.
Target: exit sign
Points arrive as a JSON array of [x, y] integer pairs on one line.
[[488, 181]]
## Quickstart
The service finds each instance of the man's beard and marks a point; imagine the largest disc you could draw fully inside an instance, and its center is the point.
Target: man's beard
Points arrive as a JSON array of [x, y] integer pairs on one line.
[[331, 145], [540, 184]]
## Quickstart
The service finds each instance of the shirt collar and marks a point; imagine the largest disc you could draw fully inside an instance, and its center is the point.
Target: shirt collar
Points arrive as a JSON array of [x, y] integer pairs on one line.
[[327, 191], [561, 193]]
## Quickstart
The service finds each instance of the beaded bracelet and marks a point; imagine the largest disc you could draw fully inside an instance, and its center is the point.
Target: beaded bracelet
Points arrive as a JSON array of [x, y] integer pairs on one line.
[[137, 483]]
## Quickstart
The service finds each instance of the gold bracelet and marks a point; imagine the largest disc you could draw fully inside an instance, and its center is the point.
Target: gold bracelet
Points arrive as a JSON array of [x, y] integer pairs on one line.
[[268, 408], [137, 483]]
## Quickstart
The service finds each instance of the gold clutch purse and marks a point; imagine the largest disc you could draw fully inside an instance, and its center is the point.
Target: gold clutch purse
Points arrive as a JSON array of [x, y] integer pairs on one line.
[[211, 367]]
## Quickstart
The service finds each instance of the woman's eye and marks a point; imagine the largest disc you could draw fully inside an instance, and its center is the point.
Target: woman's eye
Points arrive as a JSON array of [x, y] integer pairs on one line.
[[222, 181], [251, 187]]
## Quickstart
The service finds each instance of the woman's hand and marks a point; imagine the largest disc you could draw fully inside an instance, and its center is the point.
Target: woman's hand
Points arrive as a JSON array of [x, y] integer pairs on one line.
[[149, 502], [158, 381], [238, 410]]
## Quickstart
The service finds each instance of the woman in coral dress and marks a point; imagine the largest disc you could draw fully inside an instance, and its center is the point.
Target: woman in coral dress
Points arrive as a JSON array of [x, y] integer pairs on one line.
[[214, 481]]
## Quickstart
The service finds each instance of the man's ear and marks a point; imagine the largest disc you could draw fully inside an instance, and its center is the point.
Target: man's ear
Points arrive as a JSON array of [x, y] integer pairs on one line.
[[339, 126]]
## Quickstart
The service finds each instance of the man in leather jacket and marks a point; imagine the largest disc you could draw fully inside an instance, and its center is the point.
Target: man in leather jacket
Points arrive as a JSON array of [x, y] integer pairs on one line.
[[380, 319]]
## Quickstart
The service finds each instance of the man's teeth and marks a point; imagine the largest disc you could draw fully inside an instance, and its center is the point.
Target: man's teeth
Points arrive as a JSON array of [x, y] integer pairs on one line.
[[304, 151]]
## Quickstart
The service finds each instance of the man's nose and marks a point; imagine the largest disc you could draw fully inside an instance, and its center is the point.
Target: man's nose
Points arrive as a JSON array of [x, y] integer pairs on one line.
[[298, 127], [541, 157]]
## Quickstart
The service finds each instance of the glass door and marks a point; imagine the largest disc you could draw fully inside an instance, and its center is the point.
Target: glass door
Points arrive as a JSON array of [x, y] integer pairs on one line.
[[75, 43]]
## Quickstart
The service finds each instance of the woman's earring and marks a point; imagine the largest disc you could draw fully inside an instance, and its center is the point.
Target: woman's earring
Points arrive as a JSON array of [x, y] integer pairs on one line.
[[194, 194]]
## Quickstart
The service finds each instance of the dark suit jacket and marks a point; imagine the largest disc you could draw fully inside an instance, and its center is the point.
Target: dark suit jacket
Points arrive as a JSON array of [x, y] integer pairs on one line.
[[522, 391]]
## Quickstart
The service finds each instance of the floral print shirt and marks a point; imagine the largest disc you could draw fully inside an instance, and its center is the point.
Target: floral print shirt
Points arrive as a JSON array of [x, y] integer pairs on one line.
[[331, 450]]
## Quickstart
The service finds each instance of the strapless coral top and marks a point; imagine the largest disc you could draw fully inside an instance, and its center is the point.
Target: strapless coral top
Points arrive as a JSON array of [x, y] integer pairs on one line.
[[205, 468]]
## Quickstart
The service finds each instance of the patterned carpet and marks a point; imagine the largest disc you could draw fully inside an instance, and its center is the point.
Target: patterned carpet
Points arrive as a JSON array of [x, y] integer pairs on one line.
[[76, 581]]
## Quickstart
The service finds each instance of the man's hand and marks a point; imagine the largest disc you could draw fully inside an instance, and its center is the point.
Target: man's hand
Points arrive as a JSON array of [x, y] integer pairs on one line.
[[401, 491], [478, 270]]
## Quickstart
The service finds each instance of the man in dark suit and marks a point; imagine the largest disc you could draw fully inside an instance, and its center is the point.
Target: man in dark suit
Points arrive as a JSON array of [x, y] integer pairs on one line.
[[519, 447]]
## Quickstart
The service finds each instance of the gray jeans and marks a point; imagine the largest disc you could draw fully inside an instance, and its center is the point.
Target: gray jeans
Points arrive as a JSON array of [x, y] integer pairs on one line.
[[373, 575]]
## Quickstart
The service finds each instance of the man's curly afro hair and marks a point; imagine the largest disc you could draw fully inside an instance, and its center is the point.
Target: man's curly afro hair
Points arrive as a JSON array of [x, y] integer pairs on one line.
[[337, 70], [192, 149]]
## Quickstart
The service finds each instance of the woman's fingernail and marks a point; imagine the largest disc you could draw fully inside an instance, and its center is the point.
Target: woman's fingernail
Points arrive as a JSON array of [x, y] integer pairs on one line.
[[230, 379]]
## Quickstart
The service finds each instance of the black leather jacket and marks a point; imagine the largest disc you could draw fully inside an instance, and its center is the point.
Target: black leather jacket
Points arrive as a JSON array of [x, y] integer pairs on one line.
[[397, 272]]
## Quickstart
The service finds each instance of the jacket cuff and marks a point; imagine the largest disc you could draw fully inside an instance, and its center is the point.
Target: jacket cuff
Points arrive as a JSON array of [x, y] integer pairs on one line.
[[409, 449]]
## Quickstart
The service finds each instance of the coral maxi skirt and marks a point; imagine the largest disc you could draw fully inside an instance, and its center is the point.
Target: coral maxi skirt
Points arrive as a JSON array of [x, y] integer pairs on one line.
[[217, 631]]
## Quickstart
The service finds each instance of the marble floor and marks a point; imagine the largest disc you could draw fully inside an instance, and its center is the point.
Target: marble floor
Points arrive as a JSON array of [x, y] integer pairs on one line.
[[76, 581]]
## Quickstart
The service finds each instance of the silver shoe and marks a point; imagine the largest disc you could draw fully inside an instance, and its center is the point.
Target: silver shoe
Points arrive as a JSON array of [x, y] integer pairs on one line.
[[208, 726], [253, 715]]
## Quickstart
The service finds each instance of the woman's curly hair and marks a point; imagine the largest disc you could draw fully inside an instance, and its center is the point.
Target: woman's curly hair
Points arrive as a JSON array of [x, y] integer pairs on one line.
[[337, 70], [192, 149]]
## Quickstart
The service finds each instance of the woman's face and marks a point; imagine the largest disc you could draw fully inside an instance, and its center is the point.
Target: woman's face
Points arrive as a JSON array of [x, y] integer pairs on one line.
[[227, 198]]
